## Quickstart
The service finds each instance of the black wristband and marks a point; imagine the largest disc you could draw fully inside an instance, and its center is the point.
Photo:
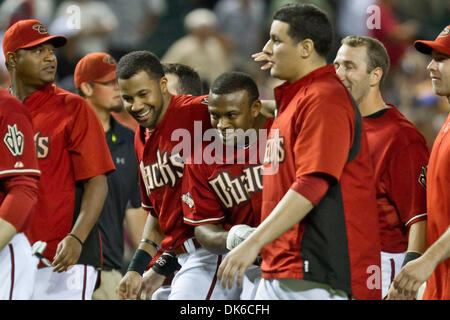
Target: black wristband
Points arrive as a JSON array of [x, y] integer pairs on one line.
[[140, 261], [150, 242], [166, 264], [74, 236], [410, 256]]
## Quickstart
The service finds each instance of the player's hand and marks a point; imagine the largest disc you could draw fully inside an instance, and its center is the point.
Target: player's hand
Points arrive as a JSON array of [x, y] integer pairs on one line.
[[129, 286], [237, 262], [261, 56], [151, 282], [410, 278], [67, 254]]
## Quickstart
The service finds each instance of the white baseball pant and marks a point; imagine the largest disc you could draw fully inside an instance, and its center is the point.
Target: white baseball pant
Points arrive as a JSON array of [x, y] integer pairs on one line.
[[296, 289], [77, 283], [18, 269], [391, 264]]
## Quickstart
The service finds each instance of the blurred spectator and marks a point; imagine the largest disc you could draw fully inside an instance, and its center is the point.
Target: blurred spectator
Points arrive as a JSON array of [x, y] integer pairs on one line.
[[137, 20], [86, 23], [97, 22], [235, 16], [202, 48], [393, 33], [12, 11], [356, 12], [432, 15]]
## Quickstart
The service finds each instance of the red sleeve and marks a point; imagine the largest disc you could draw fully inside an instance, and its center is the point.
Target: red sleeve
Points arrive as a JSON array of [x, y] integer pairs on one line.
[[87, 144], [406, 192], [21, 196], [200, 205], [17, 146], [312, 186], [324, 137]]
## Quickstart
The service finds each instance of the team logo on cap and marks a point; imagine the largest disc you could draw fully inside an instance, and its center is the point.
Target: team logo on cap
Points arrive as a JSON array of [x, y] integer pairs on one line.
[[445, 32], [40, 28], [109, 60]]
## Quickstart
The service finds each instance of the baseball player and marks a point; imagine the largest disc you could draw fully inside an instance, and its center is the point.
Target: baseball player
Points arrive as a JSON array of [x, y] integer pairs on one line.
[[182, 79], [222, 197], [95, 79], [73, 158], [144, 92], [399, 154], [434, 265], [319, 235], [19, 176]]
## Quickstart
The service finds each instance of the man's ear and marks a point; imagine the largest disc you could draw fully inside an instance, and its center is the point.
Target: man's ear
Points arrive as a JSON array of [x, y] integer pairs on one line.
[[375, 76], [255, 108], [87, 89], [306, 48], [163, 85], [11, 59]]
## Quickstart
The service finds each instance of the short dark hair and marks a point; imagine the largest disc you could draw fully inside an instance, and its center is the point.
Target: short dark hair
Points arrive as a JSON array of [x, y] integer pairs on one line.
[[134, 62], [233, 81], [189, 79], [307, 21], [377, 55]]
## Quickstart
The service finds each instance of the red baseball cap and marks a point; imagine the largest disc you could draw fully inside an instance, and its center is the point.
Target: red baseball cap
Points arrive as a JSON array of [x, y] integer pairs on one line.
[[441, 44], [28, 33], [95, 67]]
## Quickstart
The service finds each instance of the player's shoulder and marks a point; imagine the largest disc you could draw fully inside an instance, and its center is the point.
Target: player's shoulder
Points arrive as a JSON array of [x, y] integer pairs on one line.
[[403, 130], [186, 102], [11, 106], [69, 99], [328, 91]]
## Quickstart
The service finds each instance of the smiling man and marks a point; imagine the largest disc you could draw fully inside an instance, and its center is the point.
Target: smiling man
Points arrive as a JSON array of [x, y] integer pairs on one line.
[[222, 199], [319, 231], [146, 97], [434, 265], [73, 157], [399, 154]]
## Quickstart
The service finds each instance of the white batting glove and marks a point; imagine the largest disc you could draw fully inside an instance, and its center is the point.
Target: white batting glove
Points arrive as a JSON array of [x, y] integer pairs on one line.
[[237, 234]]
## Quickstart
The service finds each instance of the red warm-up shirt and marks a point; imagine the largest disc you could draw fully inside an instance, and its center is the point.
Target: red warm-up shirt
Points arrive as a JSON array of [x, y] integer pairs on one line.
[[71, 147], [438, 204], [319, 130]]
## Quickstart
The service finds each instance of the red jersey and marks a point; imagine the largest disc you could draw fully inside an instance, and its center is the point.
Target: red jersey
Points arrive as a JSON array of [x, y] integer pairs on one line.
[[160, 156], [318, 130], [438, 205], [398, 152], [17, 149], [71, 147], [227, 191]]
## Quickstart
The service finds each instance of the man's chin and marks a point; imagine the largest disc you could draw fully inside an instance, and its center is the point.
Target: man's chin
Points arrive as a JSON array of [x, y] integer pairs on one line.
[[117, 108]]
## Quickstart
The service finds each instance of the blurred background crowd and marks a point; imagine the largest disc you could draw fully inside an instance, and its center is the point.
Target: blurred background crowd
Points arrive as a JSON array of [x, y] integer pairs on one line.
[[214, 36]]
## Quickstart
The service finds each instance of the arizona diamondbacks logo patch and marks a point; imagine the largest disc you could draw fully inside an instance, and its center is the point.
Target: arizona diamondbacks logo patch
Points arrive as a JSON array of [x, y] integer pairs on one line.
[[14, 140], [187, 198], [423, 177]]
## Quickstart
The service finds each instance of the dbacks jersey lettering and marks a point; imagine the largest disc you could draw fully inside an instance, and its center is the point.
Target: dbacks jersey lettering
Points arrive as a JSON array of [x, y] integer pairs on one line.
[[161, 166], [319, 131], [227, 192]]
